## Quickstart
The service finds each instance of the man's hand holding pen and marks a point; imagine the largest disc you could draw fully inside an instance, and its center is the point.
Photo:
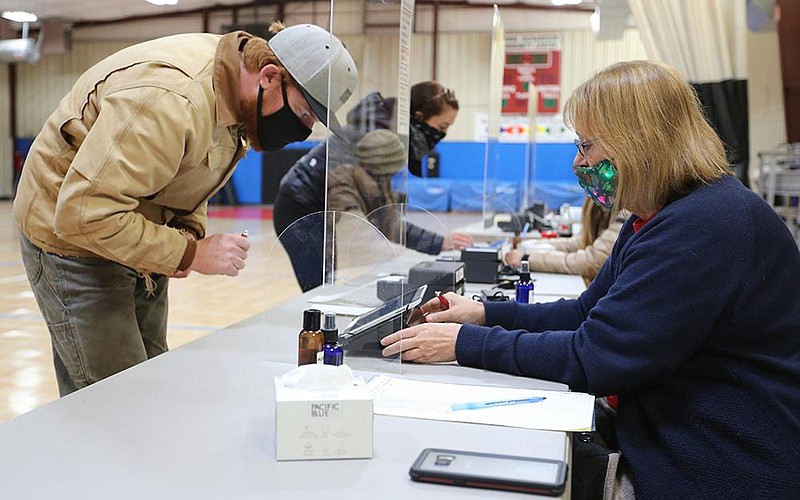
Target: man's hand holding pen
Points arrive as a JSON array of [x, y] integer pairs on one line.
[[221, 254]]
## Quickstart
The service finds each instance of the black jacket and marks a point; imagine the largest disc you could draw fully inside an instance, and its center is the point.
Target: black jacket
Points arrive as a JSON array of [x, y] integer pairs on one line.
[[304, 183]]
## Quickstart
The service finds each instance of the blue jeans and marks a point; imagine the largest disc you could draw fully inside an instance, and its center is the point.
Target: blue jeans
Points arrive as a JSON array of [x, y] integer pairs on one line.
[[101, 318]]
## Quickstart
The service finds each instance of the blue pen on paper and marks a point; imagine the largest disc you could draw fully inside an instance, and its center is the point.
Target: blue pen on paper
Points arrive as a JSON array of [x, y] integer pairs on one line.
[[525, 228], [479, 405]]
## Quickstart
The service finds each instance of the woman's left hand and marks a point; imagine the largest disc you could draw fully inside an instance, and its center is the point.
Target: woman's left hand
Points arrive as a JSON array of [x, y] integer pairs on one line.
[[456, 241], [425, 343]]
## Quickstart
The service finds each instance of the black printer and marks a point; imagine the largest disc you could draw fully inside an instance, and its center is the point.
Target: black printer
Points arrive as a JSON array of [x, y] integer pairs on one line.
[[483, 264], [440, 276]]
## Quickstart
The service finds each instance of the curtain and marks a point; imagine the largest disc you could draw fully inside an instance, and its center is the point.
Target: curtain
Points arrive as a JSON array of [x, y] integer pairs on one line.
[[706, 41]]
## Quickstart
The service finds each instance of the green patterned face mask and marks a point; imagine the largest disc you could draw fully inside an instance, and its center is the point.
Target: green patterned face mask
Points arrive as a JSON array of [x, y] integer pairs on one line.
[[599, 181]]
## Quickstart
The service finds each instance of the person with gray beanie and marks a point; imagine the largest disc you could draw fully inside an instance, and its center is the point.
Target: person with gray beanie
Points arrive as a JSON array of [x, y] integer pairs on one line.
[[303, 190], [366, 187]]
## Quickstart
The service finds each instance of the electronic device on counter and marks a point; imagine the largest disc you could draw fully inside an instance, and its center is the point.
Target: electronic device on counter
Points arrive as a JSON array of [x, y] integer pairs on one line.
[[440, 276], [494, 295], [534, 215], [362, 337], [389, 287], [484, 470], [483, 264]]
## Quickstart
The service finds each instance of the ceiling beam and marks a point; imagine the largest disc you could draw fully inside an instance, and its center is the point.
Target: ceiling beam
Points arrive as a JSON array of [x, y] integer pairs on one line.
[[463, 4]]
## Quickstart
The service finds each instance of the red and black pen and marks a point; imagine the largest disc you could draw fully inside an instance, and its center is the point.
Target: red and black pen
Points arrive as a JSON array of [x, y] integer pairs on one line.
[[443, 300]]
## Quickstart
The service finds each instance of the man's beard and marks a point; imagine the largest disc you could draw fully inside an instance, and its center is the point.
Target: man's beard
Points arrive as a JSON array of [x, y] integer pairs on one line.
[[248, 111]]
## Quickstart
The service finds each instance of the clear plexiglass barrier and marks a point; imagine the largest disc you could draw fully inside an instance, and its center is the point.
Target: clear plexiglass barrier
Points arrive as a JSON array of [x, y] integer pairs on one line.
[[345, 232], [365, 284]]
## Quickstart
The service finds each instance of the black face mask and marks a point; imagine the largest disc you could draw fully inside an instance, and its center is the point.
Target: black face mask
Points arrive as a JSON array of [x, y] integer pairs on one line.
[[281, 127], [422, 139]]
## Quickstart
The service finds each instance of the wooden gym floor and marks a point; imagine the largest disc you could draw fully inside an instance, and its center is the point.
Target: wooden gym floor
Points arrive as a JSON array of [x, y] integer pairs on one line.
[[199, 304]]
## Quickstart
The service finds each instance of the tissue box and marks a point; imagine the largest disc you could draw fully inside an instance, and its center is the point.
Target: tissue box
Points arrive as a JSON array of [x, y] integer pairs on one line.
[[322, 424]]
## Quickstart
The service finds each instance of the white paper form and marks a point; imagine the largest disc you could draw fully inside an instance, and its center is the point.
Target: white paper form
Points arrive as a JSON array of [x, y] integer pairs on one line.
[[558, 411]]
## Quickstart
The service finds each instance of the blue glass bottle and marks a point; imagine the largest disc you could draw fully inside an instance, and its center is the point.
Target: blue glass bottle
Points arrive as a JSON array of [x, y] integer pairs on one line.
[[525, 284], [332, 352]]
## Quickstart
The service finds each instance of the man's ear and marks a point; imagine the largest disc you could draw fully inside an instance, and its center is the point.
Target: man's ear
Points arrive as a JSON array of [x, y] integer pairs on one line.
[[418, 116], [269, 74]]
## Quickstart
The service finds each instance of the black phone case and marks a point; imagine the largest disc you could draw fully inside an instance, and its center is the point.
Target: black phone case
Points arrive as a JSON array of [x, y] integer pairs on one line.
[[458, 479]]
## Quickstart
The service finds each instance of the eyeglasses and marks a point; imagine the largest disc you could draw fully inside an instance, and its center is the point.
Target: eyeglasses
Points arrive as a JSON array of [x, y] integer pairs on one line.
[[583, 146]]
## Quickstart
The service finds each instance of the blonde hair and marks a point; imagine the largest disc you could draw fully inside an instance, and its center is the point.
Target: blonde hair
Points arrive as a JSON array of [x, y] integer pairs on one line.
[[594, 220], [257, 53], [650, 122]]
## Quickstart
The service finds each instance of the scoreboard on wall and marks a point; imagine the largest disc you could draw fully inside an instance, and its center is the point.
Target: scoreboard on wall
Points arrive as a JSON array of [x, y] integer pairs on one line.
[[532, 58]]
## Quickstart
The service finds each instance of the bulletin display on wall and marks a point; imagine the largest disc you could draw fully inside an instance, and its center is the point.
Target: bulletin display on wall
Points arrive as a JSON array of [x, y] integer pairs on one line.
[[532, 59], [549, 129]]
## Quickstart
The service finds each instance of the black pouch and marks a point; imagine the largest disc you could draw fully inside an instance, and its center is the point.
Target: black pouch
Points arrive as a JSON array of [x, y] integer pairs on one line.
[[595, 456]]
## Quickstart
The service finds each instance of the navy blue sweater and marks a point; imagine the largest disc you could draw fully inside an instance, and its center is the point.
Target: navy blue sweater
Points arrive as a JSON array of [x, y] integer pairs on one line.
[[694, 321]]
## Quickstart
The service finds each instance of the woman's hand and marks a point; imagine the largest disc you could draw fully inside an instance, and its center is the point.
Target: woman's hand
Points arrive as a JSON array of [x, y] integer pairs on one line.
[[513, 258], [460, 310], [456, 241], [425, 343]]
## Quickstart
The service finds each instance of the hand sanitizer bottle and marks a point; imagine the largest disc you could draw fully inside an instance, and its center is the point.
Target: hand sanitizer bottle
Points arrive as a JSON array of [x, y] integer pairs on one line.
[[524, 285], [332, 352], [565, 222], [310, 340]]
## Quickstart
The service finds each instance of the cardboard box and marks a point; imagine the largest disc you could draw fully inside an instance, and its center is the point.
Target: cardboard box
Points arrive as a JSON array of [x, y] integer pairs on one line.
[[323, 424]]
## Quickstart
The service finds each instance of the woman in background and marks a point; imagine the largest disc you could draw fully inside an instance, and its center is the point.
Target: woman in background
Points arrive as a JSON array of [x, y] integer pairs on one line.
[[434, 108], [582, 254], [365, 188]]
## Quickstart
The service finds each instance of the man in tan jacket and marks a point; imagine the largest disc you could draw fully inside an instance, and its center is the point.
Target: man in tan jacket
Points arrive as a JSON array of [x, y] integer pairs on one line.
[[113, 195]]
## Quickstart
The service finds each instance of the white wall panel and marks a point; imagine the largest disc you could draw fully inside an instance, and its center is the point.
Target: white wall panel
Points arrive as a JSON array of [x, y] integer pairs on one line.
[[582, 55], [6, 148], [764, 96], [463, 66], [465, 20], [41, 86], [140, 30]]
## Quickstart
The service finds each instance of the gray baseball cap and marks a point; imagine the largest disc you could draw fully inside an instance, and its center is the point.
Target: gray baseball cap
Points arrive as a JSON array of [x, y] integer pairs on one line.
[[310, 54]]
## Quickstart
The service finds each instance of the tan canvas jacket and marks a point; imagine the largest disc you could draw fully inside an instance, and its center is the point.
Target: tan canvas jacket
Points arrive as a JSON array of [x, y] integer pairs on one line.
[[134, 152]]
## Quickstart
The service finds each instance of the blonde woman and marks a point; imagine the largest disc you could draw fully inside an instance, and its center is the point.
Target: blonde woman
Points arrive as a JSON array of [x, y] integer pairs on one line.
[[693, 322]]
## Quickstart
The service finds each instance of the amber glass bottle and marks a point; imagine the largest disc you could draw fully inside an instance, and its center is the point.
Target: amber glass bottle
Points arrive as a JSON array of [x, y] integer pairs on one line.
[[311, 338]]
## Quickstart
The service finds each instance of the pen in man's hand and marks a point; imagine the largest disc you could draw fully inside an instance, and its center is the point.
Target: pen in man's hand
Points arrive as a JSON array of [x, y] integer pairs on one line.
[[443, 300]]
